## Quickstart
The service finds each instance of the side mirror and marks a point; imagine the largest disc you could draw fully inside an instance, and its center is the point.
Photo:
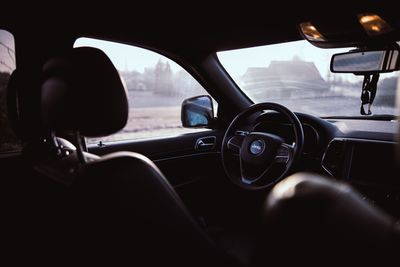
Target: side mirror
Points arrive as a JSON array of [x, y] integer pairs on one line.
[[197, 112], [366, 62]]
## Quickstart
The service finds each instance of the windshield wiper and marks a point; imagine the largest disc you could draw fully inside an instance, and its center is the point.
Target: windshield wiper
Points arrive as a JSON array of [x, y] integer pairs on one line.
[[377, 117]]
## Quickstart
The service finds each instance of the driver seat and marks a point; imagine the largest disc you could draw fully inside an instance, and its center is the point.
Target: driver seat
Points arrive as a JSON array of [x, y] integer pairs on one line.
[[121, 207], [315, 219]]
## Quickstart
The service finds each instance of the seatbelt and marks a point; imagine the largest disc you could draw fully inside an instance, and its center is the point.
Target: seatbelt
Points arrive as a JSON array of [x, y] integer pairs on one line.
[[368, 92]]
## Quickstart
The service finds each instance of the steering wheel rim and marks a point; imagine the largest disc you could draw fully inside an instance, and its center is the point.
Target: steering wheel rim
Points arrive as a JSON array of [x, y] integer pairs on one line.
[[260, 148]]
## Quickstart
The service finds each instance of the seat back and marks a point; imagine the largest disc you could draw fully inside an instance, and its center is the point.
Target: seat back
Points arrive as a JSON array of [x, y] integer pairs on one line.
[[121, 205]]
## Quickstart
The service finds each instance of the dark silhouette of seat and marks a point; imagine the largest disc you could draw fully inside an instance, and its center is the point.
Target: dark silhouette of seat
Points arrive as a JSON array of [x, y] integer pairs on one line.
[[120, 207], [316, 219]]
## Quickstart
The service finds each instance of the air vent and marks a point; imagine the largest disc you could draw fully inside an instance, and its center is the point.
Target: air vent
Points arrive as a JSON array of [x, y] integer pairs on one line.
[[333, 159]]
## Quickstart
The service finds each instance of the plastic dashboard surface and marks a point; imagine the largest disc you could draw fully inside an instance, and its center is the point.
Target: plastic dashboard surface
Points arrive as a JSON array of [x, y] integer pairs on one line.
[[363, 152], [358, 151]]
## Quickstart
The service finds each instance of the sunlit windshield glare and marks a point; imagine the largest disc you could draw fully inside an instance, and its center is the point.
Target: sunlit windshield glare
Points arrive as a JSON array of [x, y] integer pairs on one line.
[[297, 75]]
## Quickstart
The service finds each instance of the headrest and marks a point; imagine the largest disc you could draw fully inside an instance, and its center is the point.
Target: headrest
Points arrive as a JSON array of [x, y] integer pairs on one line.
[[82, 91]]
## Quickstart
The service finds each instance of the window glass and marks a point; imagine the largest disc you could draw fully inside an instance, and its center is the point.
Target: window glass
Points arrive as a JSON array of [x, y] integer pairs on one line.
[[8, 141], [297, 75], [156, 87]]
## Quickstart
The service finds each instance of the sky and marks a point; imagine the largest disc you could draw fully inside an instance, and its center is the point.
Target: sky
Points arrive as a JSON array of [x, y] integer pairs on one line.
[[237, 61], [127, 57]]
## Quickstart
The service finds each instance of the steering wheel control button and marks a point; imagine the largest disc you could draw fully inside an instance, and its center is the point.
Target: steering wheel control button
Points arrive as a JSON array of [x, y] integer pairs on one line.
[[283, 152], [281, 159], [257, 147]]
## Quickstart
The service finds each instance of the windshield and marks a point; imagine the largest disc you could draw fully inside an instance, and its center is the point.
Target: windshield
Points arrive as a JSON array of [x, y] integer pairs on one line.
[[297, 75]]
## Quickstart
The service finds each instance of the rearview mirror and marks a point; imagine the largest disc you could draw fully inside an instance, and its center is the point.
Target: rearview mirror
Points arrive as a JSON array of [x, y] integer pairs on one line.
[[366, 62], [197, 112]]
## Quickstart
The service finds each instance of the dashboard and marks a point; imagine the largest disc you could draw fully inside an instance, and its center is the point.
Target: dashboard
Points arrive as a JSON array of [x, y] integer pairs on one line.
[[316, 130], [362, 161], [358, 151], [285, 130]]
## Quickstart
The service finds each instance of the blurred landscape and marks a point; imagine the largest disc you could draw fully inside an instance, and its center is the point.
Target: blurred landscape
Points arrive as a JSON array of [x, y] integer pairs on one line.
[[299, 85], [155, 96], [157, 86]]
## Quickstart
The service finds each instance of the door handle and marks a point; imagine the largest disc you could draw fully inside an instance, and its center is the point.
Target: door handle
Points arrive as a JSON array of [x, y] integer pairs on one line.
[[205, 143]]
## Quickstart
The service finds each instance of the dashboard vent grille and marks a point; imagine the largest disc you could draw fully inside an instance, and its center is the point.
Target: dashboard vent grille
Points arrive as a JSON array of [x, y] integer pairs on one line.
[[334, 157]]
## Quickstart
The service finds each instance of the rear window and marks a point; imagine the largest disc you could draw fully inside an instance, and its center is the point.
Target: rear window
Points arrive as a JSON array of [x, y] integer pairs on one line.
[[8, 141]]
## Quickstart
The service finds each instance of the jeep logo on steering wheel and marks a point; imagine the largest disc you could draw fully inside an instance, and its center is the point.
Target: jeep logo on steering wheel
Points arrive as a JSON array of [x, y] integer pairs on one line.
[[257, 147]]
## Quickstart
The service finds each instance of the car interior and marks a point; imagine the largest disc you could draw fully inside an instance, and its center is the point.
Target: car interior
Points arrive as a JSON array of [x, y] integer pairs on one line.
[[242, 165]]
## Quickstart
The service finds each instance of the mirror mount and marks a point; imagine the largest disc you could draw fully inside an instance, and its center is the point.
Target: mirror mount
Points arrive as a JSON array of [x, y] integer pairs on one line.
[[369, 63], [368, 92]]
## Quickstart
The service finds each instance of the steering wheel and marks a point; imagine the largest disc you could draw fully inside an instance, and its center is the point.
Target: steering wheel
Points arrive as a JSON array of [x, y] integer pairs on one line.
[[258, 160]]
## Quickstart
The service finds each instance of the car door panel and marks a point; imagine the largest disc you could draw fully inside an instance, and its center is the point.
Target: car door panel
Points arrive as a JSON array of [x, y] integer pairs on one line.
[[180, 158]]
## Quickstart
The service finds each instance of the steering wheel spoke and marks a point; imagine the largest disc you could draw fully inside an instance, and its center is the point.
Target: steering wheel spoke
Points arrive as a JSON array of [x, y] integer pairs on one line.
[[235, 142], [252, 180], [285, 153]]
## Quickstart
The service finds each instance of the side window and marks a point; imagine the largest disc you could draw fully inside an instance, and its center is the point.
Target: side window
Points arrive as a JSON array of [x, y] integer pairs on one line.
[[156, 87], [8, 141]]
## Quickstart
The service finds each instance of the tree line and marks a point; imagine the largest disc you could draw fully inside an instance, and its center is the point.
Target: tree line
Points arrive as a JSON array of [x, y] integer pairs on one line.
[[162, 80]]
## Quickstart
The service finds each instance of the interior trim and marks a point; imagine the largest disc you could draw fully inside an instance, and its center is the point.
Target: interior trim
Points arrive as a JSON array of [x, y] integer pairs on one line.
[[10, 154], [186, 156], [318, 137], [349, 139], [101, 144]]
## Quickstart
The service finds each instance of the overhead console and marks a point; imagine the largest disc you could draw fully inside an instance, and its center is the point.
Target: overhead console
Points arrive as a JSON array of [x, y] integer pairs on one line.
[[361, 161]]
